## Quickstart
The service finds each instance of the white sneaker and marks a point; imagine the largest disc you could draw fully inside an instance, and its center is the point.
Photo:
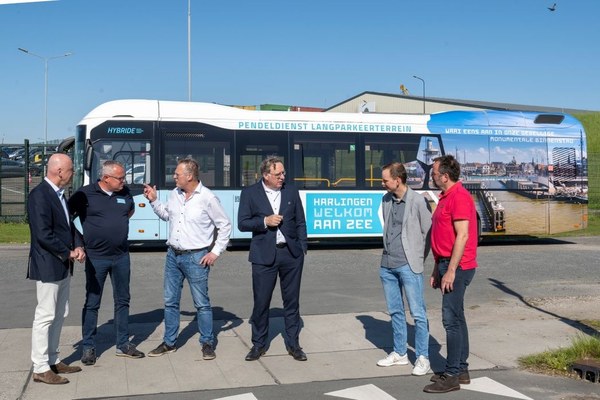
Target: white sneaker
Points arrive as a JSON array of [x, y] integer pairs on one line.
[[393, 359], [421, 366]]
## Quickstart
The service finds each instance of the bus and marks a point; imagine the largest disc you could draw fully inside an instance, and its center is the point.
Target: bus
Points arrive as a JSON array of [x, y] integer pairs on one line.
[[526, 171]]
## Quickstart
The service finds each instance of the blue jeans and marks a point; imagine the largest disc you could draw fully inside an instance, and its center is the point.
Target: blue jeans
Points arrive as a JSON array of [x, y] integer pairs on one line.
[[396, 282], [96, 271], [177, 268], [453, 319]]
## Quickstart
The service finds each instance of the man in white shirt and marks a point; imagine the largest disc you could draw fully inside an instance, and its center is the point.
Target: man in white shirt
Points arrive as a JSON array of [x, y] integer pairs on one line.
[[193, 212]]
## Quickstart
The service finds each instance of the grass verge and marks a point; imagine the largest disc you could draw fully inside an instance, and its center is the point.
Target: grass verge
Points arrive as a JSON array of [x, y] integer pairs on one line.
[[12, 233], [559, 361]]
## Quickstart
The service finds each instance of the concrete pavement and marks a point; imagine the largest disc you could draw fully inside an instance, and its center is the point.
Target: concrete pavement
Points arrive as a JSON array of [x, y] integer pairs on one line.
[[339, 346]]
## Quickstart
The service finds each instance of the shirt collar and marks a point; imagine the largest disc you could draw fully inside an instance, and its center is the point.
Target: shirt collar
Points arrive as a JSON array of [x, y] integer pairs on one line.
[[56, 188], [447, 192], [268, 189], [196, 190], [99, 189]]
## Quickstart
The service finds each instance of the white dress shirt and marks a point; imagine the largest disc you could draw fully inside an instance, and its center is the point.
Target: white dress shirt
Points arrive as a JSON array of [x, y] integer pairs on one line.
[[192, 221], [275, 200]]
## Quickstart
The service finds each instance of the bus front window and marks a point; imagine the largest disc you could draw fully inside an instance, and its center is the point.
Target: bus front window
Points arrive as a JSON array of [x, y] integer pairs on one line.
[[134, 155]]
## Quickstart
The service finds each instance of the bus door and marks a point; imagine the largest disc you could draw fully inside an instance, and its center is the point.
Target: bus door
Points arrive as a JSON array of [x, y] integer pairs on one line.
[[210, 146]]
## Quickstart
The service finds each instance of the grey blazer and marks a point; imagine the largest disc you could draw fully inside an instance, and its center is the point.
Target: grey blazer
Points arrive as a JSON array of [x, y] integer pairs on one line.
[[416, 227]]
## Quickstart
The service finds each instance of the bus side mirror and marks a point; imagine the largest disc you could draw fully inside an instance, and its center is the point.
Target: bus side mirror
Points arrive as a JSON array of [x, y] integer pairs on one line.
[[88, 155]]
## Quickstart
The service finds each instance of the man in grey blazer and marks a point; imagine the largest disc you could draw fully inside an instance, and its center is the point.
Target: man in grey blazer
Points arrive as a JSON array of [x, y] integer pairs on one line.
[[407, 224], [51, 256]]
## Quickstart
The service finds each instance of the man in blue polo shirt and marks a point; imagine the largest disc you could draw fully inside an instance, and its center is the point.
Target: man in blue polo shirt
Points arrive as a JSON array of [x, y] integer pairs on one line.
[[104, 209]]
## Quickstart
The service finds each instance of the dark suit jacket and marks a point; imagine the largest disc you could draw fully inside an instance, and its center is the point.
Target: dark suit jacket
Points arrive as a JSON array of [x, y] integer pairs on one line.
[[51, 236], [255, 206]]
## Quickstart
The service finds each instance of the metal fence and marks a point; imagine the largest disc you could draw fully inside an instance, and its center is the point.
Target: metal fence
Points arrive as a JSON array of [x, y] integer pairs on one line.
[[20, 171]]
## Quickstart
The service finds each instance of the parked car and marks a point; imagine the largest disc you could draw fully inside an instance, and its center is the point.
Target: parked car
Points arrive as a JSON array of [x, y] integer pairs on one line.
[[136, 175], [18, 154], [16, 169]]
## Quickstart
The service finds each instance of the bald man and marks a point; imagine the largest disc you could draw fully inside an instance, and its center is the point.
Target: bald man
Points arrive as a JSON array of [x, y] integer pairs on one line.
[[51, 255]]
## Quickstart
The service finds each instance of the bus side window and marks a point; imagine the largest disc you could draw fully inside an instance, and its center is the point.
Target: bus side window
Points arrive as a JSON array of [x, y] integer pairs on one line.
[[210, 147], [324, 161], [255, 146]]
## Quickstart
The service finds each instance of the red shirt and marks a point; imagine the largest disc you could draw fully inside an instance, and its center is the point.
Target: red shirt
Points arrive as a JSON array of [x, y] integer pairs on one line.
[[455, 204]]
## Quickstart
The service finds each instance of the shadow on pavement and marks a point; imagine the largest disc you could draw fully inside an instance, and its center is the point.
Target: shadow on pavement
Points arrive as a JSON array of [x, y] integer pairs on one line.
[[379, 333], [570, 322]]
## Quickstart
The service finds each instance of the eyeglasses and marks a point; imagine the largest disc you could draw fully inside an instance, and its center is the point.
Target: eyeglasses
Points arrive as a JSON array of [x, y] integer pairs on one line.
[[121, 179], [278, 175]]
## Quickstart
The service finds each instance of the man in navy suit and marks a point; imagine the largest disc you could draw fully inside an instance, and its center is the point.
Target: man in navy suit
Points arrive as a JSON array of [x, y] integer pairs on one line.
[[273, 212], [50, 264]]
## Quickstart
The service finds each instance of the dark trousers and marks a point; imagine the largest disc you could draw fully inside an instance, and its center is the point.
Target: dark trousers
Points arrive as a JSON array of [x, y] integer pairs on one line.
[[453, 319], [96, 272], [264, 278]]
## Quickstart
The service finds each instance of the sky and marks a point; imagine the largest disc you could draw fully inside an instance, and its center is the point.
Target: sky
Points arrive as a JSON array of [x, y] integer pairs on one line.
[[312, 53]]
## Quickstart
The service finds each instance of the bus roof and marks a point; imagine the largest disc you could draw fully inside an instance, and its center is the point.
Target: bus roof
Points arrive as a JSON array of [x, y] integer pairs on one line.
[[160, 110]]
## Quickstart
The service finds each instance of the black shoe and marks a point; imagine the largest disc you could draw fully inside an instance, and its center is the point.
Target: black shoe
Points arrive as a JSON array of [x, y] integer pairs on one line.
[[297, 353], [208, 353], [161, 350], [463, 377], [255, 353], [89, 356], [445, 384], [129, 350]]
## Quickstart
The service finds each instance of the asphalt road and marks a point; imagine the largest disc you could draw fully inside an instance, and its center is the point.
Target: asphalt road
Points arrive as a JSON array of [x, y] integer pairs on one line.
[[335, 280]]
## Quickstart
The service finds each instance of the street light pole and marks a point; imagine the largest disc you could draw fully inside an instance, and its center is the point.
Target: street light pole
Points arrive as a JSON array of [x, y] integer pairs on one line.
[[189, 50], [46, 59], [423, 81]]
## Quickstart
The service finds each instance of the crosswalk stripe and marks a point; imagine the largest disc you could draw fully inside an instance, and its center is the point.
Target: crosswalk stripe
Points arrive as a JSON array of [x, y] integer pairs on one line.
[[245, 396], [488, 385], [372, 392], [366, 392]]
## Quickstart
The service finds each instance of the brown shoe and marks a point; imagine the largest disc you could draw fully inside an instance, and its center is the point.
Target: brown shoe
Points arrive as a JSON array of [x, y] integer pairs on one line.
[[50, 378], [62, 368]]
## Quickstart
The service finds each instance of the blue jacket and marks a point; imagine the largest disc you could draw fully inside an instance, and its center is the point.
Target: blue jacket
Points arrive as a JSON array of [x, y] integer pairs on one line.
[[255, 206], [52, 236]]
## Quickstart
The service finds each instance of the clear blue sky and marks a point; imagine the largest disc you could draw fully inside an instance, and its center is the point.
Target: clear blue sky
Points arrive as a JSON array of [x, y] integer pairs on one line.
[[308, 53]]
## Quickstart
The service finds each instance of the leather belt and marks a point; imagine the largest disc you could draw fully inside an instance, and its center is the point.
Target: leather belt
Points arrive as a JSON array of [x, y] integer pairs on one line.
[[179, 252], [444, 259], [281, 245]]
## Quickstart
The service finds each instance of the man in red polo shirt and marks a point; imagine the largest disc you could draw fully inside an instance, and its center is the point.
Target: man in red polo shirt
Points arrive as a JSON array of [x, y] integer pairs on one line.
[[454, 246]]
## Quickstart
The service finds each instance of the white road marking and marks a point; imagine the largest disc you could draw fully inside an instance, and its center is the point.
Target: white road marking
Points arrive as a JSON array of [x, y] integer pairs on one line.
[[488, 385], [245, 396], [366, 392], [6, 188]]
